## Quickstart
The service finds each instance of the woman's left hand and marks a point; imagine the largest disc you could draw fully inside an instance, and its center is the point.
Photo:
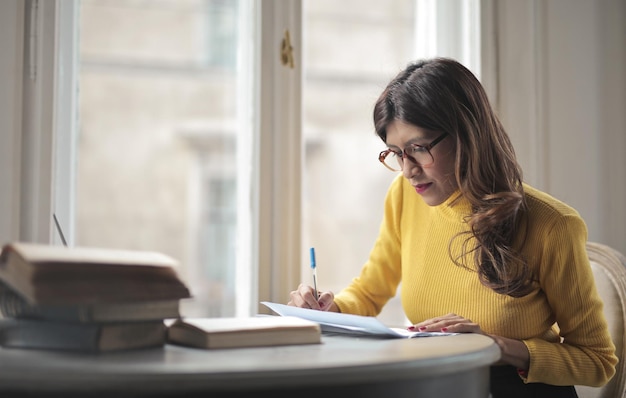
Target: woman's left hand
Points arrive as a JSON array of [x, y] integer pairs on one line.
[[451, 323], [513, 352]]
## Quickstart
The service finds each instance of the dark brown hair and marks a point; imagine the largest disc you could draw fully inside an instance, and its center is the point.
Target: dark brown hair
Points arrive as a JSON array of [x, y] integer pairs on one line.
[[442, 95]]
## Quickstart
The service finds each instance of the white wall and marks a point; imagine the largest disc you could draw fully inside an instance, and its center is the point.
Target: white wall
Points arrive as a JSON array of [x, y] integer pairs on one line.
[[561, 93]]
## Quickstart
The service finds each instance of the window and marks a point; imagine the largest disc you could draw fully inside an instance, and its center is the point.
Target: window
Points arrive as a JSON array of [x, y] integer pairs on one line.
[[158, 137]]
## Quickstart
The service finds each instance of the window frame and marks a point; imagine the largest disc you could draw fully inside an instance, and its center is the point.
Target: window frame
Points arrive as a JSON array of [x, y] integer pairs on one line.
[[11, 65]]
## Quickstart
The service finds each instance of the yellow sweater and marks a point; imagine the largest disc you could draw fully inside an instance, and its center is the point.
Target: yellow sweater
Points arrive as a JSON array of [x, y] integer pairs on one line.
[[413, 248]]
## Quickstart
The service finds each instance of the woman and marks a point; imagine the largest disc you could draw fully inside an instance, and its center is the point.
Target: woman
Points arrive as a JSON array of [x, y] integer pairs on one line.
[[476, 249]]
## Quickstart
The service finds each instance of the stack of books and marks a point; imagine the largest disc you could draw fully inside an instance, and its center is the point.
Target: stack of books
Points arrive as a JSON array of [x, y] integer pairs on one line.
[[86, 299]]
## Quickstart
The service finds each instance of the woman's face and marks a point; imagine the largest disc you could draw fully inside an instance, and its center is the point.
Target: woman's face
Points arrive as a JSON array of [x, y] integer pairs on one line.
[[435, 182]]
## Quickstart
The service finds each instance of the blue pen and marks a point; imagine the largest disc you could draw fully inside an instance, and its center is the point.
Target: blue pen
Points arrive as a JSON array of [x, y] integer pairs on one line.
[[314, 268]]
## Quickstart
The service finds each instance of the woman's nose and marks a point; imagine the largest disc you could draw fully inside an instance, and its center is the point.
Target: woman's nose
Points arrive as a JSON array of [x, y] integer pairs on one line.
[[410, 169]]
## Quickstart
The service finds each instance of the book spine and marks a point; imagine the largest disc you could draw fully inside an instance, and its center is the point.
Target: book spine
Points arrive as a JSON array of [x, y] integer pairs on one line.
[[23, 333], [85, 337], [13, 306]]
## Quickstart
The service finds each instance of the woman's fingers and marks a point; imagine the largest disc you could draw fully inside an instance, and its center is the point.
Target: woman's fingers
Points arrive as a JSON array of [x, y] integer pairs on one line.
[[305, 297], [452, 323], [325, 300]]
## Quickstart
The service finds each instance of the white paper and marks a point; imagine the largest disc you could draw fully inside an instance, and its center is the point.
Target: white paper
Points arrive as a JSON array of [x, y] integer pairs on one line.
[[347, 323]]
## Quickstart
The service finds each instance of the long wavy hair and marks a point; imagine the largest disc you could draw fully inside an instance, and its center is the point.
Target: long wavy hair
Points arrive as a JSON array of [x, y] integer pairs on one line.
[[440, 94]]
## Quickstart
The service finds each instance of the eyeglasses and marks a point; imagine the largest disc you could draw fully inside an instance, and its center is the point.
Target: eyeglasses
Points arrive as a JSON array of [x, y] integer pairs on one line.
[[418, 154]]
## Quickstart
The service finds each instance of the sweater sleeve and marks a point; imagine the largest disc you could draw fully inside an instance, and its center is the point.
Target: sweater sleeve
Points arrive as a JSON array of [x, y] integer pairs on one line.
[[380, 276], [586, 354]]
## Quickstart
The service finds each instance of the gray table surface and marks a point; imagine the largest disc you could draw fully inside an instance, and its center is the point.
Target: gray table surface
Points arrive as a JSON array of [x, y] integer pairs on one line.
[[338, 362]]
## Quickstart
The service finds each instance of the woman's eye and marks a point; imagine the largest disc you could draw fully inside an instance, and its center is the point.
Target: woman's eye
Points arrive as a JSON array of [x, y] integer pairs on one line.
[[416, 149]]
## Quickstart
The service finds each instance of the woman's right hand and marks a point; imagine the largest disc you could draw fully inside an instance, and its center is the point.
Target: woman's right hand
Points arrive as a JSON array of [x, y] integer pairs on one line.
[[305, 297]]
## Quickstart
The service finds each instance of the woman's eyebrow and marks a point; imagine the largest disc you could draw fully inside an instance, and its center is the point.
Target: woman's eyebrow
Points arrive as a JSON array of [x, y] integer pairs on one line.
[[394, 147], [421, 141]]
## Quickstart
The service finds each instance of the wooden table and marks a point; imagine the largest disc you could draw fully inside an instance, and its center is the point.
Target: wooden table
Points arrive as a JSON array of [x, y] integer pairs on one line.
[[348, 367]]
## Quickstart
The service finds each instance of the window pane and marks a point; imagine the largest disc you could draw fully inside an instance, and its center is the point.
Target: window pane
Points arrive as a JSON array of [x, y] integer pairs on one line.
[[159, 136], [352, 49]]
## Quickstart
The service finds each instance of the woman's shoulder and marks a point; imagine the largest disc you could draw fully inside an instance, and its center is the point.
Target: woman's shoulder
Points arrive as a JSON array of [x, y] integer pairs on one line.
[[546, 206]]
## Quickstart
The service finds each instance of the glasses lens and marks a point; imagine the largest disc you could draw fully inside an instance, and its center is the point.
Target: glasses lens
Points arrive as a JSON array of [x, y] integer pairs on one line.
[[395, 161], [391, 160], [415, 154], [421, 155]]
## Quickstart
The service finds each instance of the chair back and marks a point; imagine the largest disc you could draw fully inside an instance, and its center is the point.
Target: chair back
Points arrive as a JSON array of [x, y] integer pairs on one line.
[[609, 270]]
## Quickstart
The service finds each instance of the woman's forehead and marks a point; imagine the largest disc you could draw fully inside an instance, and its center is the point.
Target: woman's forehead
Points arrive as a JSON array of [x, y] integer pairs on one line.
[[400, 133]]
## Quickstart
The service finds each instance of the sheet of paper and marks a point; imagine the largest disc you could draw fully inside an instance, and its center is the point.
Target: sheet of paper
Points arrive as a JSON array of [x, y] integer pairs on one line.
[[347, 323]]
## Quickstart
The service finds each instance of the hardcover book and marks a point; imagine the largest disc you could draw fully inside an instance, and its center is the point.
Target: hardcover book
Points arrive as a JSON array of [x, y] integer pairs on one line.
[[210, 333], [51, 275], [14, 306], [85, 337]]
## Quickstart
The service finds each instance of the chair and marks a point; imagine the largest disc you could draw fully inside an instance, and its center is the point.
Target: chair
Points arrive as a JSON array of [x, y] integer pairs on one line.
[[609, 270]]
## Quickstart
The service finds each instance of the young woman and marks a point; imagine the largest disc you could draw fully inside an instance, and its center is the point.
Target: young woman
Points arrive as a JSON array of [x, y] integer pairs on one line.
[[477, 250]]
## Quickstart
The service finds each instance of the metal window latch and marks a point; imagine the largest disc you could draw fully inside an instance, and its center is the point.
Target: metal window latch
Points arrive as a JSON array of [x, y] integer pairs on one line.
[[286, 51]]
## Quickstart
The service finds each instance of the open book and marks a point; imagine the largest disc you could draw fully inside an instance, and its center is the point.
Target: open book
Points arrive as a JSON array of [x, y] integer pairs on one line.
[[356, 325]]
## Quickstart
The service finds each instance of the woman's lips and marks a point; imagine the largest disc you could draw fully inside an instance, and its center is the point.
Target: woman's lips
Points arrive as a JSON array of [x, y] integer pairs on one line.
[[420, 188]]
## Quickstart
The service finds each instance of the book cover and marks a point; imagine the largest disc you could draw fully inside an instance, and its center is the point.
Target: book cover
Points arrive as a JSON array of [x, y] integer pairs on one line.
[[85, 337], [211, 333], [44, 274]]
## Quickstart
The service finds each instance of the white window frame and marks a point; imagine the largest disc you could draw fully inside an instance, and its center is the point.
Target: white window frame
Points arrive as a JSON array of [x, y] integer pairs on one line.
[[449, 28], [280, 152], [36, 160], [11, 66]]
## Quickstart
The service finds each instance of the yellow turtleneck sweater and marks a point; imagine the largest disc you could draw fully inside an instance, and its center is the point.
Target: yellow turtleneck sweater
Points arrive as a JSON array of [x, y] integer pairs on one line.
[[413, 248]]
